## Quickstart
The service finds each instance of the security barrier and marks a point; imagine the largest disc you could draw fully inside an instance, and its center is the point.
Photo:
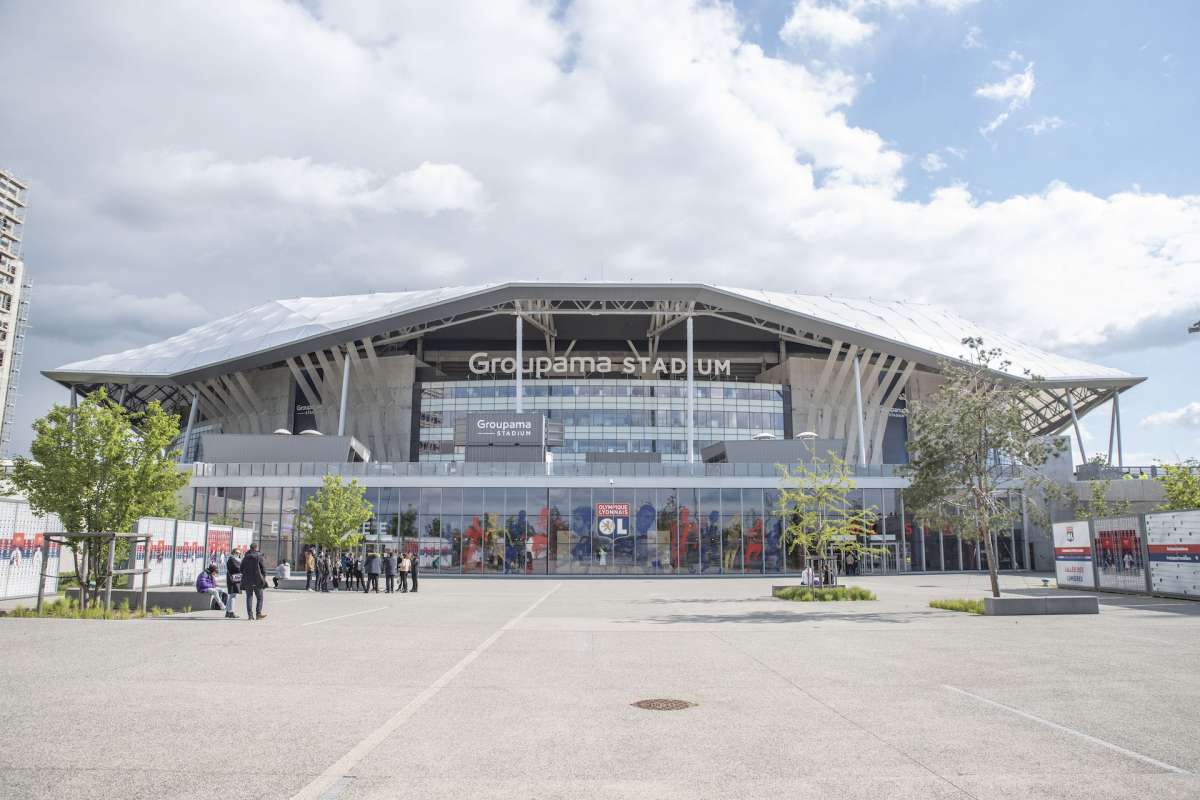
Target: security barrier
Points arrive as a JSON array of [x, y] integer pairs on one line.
[[1157, 554]]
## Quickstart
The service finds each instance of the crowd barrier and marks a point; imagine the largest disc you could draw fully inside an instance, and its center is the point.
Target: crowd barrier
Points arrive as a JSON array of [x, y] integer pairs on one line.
[[180, 549], [1153, 554]]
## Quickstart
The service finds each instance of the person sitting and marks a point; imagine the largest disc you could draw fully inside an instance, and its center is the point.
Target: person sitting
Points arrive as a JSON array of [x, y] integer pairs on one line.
[[206, 583], [283, 571], [808, 577]]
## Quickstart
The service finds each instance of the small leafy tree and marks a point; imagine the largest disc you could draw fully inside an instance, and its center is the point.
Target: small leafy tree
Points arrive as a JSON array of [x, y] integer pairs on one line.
[[1181, 483], [99, 467], [818, 519], [1098, 506], [967, 441], [333, 518]]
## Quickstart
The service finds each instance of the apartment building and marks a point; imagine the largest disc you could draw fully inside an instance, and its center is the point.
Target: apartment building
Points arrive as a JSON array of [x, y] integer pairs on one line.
[[14, 299]]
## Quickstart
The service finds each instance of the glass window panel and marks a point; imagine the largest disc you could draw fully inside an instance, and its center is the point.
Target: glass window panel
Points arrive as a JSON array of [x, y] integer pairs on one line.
[[753, 530], [710, 530]]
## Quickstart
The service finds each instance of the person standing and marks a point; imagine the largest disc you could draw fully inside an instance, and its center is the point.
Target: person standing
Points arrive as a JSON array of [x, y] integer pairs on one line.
[[389, 571], [405, 566], [233, 580], [310, 568], [254, 580], [413, 568], [323, 573], [374, 567]]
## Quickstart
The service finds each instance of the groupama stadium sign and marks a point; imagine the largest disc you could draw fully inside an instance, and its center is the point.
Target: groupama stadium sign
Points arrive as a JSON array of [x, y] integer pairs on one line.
[[484, 364]]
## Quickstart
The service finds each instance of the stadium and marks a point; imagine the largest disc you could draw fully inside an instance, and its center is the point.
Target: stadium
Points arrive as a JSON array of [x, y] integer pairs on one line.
[[577, 428]]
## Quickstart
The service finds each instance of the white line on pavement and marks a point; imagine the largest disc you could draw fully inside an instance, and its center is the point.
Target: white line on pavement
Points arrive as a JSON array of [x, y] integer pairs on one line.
[[342, 616], [339, 769], [1072, 731]]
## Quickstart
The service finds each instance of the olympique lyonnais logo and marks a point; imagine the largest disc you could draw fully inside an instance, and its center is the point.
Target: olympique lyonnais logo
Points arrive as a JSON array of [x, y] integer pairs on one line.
[[614, 518], [1070, 534]]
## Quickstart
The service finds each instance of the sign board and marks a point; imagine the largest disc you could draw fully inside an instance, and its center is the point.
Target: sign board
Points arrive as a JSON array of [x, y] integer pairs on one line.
[[1073, 555], [1173, 547], [613, 519], [499, 428]]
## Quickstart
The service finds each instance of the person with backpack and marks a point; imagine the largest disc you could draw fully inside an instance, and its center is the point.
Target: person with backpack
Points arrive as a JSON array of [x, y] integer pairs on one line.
[[206, 583], [254, 580]]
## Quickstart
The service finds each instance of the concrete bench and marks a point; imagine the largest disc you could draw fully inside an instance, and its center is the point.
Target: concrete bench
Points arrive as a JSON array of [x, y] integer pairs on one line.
[[1022, 606]]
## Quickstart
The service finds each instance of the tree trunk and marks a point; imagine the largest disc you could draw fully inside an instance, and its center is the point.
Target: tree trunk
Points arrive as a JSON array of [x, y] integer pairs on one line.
[[993, 575]]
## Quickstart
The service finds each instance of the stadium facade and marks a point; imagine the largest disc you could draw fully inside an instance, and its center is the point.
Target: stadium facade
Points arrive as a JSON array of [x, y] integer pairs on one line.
[[576, 428]]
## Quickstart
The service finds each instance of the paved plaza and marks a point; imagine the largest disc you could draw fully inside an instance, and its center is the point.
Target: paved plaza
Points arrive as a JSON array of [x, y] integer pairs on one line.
[[523, 689]]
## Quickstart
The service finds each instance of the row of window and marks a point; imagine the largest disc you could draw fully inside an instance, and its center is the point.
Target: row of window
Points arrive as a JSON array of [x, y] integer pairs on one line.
[[633, 418], [600, 388], [683, 531]]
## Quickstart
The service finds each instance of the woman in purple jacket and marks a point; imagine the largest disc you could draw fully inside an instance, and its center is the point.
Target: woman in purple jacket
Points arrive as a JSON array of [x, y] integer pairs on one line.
[[206, 583]]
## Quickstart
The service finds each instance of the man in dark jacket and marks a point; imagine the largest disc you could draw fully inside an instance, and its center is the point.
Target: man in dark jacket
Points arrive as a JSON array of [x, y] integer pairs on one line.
[[254, 580], [389, 571], [374, 567], [414, 567]]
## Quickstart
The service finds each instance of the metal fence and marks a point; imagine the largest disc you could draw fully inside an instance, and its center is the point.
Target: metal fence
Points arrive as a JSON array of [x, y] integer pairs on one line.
[[1153, 554]]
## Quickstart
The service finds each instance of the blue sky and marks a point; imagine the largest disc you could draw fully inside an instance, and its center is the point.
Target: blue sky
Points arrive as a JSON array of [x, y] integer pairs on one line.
[[1028, 165]]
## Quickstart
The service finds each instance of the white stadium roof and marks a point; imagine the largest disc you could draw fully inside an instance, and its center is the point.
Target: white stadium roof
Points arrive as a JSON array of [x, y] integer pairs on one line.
[[275, 330]]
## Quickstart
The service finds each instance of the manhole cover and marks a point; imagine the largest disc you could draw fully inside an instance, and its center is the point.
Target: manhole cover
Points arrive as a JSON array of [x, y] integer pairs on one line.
[[663, 704]]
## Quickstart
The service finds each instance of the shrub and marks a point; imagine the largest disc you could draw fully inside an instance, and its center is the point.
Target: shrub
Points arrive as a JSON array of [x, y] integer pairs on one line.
[[69, 609], [823, 594], [958, 604]]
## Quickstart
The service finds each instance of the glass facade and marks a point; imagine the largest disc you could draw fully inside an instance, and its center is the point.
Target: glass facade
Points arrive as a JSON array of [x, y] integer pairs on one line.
[[527, 530], [609, 416]]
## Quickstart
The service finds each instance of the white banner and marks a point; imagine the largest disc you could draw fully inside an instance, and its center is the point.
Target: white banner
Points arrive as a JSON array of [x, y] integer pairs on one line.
[[189, 552], [1073, 555], [1173, 545], [21, 535]]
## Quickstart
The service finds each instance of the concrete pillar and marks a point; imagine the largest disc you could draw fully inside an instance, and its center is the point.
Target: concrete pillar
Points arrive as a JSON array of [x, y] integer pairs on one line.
[[858, 407], [691, 396], [345, 394], [191, 423]]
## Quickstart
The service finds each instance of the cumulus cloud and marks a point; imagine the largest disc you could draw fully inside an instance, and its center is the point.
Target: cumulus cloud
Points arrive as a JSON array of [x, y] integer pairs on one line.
[[1186, 417], [384, 146], [837, 26], [973, 38], [844, 23]]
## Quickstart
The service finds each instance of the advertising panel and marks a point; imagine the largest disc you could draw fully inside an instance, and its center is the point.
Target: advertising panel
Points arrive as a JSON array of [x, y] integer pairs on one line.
[[1173, 545], [498, 428], [1119, 554], [162, 546], [21, 535], [1073, 555], [218, 546], [189, 552]]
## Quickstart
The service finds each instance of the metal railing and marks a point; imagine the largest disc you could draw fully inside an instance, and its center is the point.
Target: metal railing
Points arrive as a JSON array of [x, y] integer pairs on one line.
[[486, 469]]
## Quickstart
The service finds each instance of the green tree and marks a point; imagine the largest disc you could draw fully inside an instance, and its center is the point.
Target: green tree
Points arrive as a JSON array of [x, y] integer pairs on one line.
[[818, 519], [99, 467], [1181, 483], [967, 443], [1098, 506], [333, 518]]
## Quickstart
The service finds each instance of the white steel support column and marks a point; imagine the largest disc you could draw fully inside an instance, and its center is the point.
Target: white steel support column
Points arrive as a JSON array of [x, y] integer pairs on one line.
[[345, 395], [862, 439], [1117, 409], [187, 436], [1078, 433], [691, 396], [520, 359], [1112, 426]]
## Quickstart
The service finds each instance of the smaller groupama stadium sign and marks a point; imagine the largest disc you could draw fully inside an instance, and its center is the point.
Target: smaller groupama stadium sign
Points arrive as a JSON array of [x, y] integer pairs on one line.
[[485, 364]]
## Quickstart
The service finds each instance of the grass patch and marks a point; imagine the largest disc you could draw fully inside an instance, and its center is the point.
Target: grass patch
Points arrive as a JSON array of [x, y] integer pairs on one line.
[[70, 609], [958, 604], [809, 594]]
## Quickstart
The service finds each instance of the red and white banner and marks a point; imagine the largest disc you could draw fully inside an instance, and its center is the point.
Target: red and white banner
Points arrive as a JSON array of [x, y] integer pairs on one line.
[[1073, 555]]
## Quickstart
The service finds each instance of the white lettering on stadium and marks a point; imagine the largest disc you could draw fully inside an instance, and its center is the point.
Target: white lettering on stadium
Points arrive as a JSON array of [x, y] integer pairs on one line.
[[483, 364]]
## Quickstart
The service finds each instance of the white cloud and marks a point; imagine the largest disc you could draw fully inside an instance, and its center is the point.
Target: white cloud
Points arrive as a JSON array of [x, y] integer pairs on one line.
[[973, 38], [391, 146], [1044, 125], [842, 23], [1015, 90], [834, 25], [1186, 417], [932, 162]]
